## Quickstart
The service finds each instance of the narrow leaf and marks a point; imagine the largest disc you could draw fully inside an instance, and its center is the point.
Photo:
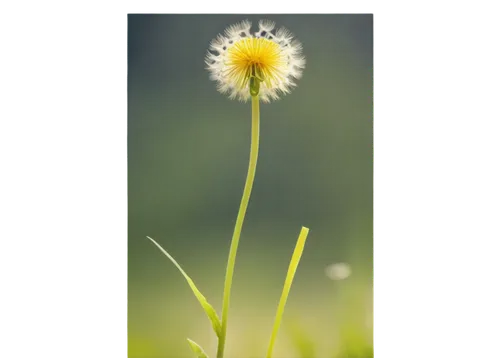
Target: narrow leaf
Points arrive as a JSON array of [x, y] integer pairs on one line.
[[209, 310], [292, 268], [200, 353]]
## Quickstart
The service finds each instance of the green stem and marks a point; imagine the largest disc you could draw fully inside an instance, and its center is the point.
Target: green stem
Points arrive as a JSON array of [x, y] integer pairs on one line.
[[254, 152]]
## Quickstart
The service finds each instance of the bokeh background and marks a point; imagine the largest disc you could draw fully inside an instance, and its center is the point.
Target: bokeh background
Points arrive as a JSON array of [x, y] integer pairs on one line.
[[188, 149]]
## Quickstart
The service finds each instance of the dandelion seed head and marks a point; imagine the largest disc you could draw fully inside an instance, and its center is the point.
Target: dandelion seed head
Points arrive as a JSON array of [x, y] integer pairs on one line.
[[270, 57]]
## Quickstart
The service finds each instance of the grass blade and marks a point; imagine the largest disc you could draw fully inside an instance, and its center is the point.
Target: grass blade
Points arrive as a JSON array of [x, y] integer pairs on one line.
[[200, 353], [209, 310], [292, 268]]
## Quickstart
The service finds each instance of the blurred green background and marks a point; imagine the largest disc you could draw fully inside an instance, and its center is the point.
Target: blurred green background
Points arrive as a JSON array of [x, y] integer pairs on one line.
[[188, 149]]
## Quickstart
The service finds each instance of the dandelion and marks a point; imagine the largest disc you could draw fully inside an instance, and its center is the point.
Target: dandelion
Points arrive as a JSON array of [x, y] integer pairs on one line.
[[261, 66], [264, 63]]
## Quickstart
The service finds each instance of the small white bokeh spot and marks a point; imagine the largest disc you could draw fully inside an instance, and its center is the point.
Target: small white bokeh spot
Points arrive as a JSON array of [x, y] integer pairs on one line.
[[338, 271]]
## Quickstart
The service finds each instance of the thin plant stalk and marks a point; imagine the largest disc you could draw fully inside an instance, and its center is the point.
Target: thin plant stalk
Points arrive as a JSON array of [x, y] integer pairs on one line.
[[292, 268], [254, 152]]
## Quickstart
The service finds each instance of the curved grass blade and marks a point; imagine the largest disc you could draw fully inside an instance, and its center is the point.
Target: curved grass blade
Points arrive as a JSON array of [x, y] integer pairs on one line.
[[292, 268], [209, 310], [195, 347]]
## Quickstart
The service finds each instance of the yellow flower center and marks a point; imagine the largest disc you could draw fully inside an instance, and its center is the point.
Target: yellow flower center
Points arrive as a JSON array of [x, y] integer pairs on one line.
[[255, 60]]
